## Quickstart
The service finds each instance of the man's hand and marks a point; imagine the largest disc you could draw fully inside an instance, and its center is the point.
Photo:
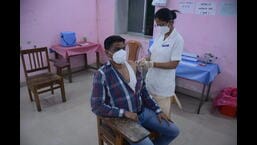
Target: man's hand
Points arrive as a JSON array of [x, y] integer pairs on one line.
[[163, 116], [131, 115]]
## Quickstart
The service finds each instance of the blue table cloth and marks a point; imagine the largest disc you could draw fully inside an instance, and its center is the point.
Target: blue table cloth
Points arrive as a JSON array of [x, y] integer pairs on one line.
[[192, 70]]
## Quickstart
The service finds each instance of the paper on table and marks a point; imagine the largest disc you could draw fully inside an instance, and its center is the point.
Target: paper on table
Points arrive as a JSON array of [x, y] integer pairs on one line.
[[189, 58], [189, 54]]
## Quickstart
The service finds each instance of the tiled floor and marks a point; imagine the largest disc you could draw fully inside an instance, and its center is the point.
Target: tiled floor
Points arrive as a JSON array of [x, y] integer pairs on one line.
[[73, 123]]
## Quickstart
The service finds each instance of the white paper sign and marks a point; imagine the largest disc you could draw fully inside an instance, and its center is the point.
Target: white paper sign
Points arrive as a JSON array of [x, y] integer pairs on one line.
[[205, 8], [228, 8], [159, 2], [186, 6]]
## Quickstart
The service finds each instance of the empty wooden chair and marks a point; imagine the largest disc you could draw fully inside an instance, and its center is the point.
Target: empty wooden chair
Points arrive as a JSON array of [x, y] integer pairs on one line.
[[39, 77]]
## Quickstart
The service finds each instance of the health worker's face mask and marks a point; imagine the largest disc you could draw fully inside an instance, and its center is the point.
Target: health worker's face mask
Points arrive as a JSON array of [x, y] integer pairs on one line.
[[163, 29], [120, 56]]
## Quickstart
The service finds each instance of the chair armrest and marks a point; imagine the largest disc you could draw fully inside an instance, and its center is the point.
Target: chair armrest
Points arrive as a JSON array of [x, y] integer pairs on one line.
[[129, 129]]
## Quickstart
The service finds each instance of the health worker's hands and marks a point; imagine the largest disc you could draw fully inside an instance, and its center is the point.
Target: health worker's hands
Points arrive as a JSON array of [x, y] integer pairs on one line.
[[144, 63]]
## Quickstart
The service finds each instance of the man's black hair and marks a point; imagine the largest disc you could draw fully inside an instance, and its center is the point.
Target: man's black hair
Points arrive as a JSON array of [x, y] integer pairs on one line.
[[112, 39], [166, 14]]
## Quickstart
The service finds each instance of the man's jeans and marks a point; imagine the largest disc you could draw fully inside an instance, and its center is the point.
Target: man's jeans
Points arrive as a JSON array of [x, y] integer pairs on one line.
[[149, 120]]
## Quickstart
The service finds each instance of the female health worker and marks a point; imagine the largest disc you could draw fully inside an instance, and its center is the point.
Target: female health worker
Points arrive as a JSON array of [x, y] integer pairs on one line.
[[165, 54]]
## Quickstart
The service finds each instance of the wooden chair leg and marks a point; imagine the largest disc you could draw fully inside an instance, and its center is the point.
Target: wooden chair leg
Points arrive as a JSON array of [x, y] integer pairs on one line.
[[177, 101], [30, 95], [63, 91], [37, 100], [118, 140], [100, 140], [52, 90], [70, 74]]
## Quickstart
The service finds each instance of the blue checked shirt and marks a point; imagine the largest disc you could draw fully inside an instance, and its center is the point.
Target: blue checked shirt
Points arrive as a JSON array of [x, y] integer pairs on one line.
[[111, 95]]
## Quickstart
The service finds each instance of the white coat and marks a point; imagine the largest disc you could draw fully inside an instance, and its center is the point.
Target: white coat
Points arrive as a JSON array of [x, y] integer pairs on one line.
[[161, 82]]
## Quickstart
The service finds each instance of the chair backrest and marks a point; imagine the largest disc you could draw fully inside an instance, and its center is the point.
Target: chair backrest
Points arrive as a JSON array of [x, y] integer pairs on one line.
[[133, 49], [35, 59]]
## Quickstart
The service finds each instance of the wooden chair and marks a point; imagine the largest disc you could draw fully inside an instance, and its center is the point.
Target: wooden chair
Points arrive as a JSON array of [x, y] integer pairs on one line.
[[35, 61], [116, 131], [133, 49]]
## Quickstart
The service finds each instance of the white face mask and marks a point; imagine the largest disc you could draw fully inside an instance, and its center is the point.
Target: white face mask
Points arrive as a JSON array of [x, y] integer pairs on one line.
[[120, 56], [163, 29]]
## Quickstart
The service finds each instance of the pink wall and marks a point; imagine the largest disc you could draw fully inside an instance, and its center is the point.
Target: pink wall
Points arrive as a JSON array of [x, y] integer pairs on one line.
[[215, 34], [106, 18], [42, 21]]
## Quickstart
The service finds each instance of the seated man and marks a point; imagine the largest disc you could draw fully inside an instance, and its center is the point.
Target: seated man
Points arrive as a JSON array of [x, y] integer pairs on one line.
[[119, 91]]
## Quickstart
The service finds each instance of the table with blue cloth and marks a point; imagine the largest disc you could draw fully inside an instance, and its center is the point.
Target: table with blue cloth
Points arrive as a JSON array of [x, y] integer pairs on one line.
[[203, 73]]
